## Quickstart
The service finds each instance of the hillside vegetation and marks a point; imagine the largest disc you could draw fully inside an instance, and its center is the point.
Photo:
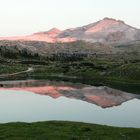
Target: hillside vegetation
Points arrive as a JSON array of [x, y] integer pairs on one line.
[[116, 65]]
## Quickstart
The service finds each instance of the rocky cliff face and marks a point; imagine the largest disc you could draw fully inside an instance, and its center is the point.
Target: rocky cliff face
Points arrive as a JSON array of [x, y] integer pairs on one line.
[[107, 30]]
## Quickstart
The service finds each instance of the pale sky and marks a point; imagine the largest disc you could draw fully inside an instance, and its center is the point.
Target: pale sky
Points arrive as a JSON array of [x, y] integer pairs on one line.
[[21, 17]]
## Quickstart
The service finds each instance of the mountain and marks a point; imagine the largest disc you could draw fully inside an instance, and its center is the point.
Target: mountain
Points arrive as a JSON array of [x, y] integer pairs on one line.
[[107, 30], [50, 36], [54, 32]]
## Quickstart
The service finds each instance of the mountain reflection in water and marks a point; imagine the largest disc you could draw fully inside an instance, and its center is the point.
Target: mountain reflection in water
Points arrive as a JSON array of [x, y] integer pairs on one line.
[[101, 96]]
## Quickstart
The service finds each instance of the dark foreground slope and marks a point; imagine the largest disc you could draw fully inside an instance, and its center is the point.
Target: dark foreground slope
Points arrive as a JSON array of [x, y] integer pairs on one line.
[[55, 130]]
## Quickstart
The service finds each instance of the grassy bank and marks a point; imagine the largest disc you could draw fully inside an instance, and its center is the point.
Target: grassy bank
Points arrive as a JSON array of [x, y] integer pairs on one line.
[[116, 74], [56, 130]]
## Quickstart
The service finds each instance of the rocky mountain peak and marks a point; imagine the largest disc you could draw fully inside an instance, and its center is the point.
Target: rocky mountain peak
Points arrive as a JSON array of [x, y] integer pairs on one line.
[[54, 31], [103, 24], [113, 20]]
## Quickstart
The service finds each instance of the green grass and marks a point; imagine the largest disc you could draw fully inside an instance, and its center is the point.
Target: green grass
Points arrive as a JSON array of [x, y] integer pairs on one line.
[[128, 71], [11, 68], [116, 74], [56, 130]]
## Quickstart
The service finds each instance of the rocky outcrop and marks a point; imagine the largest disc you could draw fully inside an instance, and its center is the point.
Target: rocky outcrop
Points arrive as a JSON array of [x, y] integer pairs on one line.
[[67, 51]]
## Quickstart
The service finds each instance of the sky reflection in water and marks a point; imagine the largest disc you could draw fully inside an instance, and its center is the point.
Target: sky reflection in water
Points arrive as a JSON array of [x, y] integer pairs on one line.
[[29, 107]]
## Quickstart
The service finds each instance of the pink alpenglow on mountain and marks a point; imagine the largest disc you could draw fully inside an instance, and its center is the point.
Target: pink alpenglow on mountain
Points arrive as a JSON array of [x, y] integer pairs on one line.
[[107, 31], [103, 24], [48, 36]]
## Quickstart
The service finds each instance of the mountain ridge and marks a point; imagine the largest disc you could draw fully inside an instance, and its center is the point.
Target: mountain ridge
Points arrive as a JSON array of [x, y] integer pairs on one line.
[[107, 30]]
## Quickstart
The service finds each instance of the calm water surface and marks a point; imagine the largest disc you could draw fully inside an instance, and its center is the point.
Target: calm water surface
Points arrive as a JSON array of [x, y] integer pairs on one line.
[[29, 107]]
